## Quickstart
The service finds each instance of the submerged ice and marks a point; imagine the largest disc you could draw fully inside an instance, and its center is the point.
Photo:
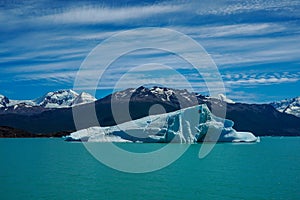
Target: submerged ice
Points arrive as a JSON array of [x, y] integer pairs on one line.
[[189, 125]]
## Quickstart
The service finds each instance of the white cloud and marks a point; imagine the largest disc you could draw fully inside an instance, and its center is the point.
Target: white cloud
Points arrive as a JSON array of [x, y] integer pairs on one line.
[[244, 6], [263, 81], [109, 15], [254, 79], [57, 76], [243, 29]]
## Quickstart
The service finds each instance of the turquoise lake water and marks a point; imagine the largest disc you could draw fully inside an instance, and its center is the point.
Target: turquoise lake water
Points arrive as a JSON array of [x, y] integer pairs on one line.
[[54, 169]]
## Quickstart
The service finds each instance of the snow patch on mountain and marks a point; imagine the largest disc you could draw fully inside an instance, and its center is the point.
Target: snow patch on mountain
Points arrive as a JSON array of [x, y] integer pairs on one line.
[[290, 106], [223, 98]]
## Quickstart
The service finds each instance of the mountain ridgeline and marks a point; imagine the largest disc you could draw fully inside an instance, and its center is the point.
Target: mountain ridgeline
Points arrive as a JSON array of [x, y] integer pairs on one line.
[[38, 118]]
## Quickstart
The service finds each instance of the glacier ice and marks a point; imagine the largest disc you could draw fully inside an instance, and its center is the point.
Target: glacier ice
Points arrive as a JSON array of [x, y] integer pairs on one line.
[[189, 125]]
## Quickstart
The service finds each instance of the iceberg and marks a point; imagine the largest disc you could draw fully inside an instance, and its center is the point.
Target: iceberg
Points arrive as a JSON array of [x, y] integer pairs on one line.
[[189, 125]]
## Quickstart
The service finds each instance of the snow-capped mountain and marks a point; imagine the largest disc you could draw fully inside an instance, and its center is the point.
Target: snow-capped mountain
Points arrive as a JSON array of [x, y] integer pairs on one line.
[[4, 101], [290, 106], [181, 97], [57, 99], [164, 94], [63, 99], [83, 98]]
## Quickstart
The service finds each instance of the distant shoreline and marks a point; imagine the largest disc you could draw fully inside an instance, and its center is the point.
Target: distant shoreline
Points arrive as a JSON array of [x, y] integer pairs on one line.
[[9, 132]]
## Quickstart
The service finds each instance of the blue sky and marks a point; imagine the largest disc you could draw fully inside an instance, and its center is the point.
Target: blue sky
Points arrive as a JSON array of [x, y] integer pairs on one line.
[[255, 44]]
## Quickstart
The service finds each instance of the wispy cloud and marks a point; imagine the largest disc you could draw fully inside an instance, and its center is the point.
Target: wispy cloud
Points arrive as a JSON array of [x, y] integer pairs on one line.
[[233, 30], [254, 79], [244, 6], [108, 14]]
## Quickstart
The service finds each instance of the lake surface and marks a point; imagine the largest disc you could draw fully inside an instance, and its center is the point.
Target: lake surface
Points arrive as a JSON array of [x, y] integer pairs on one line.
[[53, 169]]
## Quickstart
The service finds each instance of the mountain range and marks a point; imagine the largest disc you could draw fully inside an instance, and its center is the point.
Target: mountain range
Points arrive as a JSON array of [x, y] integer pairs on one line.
[[53, 112], [51, 100]]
